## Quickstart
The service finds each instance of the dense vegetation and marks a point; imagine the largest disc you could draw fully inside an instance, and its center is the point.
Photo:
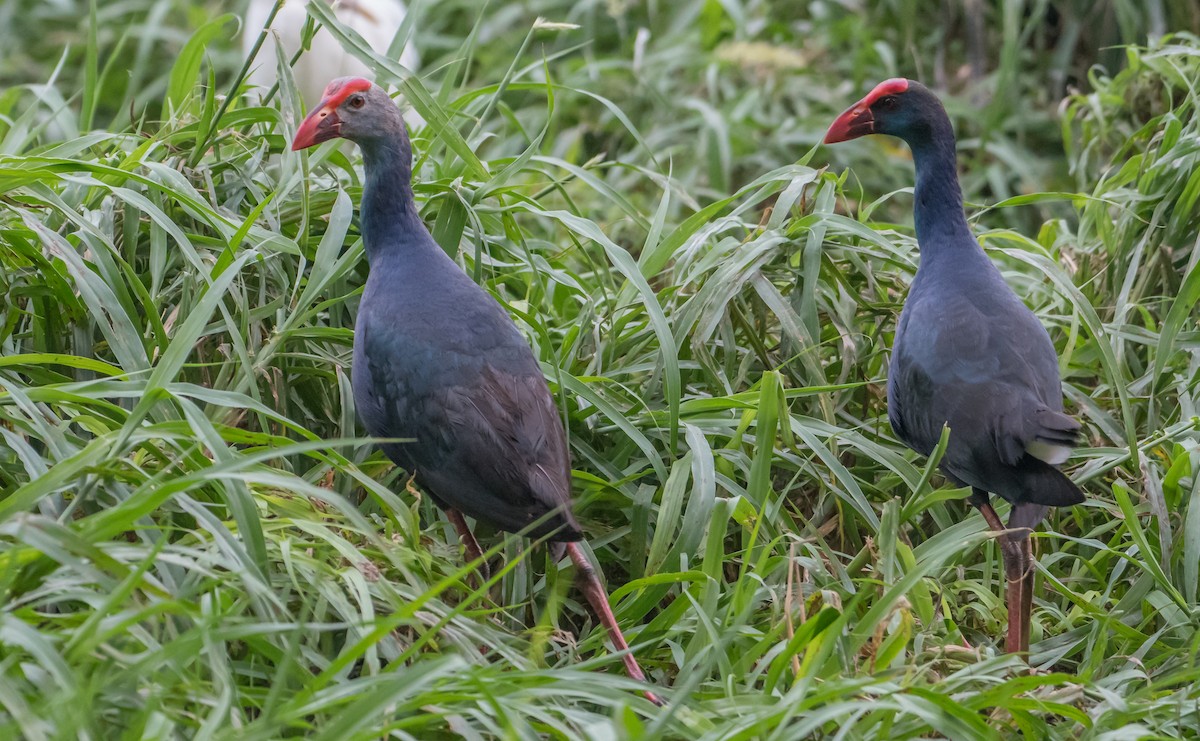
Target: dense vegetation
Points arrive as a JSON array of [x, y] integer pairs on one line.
[[195, 541]]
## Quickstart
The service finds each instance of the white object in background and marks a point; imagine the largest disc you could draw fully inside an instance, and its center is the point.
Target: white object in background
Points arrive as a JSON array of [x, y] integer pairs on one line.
[[375, 20]]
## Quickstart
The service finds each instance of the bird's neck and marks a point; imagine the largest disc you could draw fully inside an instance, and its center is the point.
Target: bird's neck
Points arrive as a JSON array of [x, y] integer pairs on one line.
[[938, 203], [390, 223]]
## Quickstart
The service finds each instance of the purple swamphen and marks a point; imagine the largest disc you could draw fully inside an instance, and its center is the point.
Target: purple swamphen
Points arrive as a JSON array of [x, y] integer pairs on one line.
[[968, 354], [439, 362]]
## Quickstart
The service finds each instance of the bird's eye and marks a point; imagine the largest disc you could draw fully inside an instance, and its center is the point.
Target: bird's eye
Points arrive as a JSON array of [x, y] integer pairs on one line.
[[357, 101], [888, 102]]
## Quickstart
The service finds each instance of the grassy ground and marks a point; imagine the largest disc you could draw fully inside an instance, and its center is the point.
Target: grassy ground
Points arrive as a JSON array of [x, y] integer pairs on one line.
[[195, 541]]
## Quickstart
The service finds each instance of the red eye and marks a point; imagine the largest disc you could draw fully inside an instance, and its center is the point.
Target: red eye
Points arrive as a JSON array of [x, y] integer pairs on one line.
[[357, 101], [888, 102]]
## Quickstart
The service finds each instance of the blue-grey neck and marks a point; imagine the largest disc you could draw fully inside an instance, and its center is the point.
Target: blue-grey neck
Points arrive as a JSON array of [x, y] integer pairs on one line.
[[938, 202], [389, 218]]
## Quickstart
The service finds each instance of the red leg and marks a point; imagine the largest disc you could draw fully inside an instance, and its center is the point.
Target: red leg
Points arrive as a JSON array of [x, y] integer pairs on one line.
[[1027, 595], [1013, 555], [598, 599], [1022, 545], [470, 545], [993, 519], [1022, 521], [1017, 640]]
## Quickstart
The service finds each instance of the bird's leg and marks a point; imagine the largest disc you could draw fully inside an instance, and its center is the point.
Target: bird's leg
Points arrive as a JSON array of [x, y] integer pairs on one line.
[[980, 499], [470, 545], [1024, 518], [1015, 568], [1027, 593], [1012, 553], [598, 599], [1018, 573], [1016, 641]]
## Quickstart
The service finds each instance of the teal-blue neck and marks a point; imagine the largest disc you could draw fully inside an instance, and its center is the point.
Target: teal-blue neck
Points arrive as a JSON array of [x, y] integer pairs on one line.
[[938, 202], [390, 223]]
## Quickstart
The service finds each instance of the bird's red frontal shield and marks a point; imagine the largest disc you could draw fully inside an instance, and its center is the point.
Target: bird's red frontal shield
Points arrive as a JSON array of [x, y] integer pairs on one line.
[[323, 123], [858, 120]]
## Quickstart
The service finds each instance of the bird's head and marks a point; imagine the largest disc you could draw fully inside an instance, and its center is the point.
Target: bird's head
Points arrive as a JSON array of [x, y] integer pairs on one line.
[[352, 108], [899, 107]]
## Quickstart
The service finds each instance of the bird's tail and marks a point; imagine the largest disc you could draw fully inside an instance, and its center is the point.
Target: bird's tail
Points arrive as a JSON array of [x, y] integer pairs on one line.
[[1047, 486], [1057, 428]]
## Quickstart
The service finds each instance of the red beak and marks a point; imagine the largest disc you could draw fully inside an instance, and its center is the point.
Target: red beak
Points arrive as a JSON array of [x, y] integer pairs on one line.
[[856, 121], [321, 125]]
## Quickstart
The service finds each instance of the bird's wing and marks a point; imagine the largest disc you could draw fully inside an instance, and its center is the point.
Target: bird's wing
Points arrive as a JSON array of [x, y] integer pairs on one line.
[[485, 436], [507, 430], [969, 362]]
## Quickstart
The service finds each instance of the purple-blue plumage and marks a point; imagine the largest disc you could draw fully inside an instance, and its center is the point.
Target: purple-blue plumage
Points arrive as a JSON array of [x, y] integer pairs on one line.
[[439, 364], [437, 361], [968, 353]]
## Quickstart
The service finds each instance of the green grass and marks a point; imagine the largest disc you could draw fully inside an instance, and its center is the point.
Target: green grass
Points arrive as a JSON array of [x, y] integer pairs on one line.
[[196, 541]]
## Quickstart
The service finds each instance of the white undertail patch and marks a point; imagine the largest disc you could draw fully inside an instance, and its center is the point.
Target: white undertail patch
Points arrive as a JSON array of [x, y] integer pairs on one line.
[[1048, 452]]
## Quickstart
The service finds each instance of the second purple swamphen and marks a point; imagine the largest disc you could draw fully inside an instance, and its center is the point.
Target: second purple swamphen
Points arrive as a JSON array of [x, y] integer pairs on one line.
[[438, 361], [968, 353]]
